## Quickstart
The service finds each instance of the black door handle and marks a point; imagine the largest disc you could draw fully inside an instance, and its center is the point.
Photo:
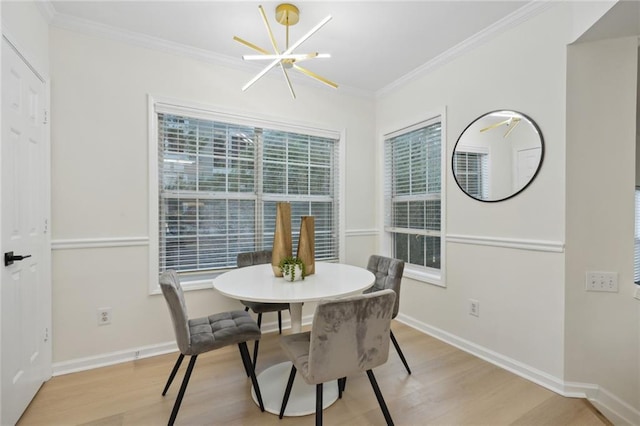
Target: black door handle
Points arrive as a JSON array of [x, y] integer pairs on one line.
[[9, 258]]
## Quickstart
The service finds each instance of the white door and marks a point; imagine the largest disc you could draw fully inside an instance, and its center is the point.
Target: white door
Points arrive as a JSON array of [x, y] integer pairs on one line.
[[527, 161], [25, 292]]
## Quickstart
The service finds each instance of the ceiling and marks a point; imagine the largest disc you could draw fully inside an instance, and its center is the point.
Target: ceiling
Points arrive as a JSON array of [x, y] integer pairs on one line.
[[372, 44]]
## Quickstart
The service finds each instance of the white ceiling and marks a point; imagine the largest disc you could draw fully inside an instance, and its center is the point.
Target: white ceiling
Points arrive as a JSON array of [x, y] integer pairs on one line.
[[372, 44]]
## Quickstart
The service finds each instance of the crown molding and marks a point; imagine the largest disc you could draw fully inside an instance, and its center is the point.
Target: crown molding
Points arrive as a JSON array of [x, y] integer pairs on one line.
[[46, 9], [89, 27], [512, 20]]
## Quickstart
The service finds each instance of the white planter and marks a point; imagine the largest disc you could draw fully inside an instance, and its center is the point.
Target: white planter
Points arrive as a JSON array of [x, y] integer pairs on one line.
[[297, 275]]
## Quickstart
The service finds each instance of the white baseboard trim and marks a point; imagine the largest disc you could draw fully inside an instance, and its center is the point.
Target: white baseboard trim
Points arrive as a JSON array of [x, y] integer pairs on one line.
[[616, 410], [112, 358], [103, 360]]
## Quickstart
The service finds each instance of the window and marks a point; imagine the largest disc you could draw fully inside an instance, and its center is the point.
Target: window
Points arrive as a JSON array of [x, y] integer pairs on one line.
[[413, 186], [471, 171], [219, 181]]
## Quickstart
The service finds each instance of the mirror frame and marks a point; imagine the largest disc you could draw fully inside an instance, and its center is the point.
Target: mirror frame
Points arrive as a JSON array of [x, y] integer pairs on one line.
[[542, 152]]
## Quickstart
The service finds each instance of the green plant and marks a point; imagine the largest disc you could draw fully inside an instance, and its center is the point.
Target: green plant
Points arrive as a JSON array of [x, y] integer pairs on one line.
[[288, 267]]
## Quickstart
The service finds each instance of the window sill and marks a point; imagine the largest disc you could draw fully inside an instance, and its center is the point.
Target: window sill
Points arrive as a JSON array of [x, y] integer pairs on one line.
[[419, 274]]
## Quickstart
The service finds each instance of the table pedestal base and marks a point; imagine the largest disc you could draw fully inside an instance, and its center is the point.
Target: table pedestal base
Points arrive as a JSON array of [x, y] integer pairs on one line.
[[302, 400]]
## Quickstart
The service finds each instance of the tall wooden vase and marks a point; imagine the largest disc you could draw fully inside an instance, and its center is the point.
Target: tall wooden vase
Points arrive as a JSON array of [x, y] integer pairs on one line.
[[307, 245], [282, 246]]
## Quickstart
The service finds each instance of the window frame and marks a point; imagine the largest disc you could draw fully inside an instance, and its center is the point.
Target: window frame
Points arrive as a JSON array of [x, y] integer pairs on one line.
[[419, 273], [165, 105]]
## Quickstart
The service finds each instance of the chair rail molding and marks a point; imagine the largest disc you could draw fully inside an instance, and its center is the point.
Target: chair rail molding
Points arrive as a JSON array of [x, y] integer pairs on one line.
[[513, 243], [98, 242]]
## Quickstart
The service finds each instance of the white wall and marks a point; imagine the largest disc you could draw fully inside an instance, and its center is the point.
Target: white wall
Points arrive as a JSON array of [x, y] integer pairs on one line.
[[535, 315], [25, 27], [100, 187], [521, 291], [602, 330]]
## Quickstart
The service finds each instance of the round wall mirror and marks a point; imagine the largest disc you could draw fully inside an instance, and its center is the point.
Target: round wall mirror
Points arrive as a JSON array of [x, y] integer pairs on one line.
[[498, 155]]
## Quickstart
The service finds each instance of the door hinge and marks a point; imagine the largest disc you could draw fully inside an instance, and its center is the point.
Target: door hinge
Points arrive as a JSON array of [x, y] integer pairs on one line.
[[46, 225], [46, 334], [46, 117]]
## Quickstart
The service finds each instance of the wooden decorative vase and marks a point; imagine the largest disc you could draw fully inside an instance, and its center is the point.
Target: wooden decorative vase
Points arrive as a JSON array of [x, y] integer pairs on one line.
[[306, 244], [282, 246]]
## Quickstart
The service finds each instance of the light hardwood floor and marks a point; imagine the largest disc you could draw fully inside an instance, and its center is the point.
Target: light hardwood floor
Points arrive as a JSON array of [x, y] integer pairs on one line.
[[447, 387]]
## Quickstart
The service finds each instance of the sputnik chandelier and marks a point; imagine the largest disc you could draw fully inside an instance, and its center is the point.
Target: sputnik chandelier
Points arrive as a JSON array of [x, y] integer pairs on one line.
[[287, 15]]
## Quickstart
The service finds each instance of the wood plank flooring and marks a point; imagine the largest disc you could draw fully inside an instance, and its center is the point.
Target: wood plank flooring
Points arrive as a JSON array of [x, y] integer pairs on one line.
[[447, 387]]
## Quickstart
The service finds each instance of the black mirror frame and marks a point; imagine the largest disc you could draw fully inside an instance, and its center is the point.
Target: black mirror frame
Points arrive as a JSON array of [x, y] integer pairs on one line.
[[542, 152]]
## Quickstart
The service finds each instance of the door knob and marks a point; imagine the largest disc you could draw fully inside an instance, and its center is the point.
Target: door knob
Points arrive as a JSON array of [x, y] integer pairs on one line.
[[9, 258]]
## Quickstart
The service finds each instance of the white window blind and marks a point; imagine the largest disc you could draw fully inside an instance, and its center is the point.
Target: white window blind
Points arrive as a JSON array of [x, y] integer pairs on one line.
[[471, 171], [413, 193], [219, 183]]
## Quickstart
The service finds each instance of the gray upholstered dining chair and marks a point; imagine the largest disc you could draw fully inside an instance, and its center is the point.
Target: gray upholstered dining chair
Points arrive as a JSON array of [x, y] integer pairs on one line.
[[388, 274], [200, 335], [348, 336], [260, 258]]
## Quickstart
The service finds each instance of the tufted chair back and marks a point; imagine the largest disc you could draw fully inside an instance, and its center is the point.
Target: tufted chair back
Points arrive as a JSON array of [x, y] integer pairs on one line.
[[172, 291], [254, 258], [388, 274], [349, 335]]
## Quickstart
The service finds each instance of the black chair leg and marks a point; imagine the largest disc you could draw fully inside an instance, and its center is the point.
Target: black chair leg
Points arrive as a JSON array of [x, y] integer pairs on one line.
[[319, 404], [247, 365], [256, 343], [376, 390], [342, 382], [246, 359], [183, 388], [287, 390], [397, 346], [173, 374], [280, 321]]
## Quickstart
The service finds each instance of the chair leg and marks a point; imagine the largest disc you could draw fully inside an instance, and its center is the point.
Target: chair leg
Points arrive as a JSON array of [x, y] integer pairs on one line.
[[397, 346], [183, 388], [280, 321], [287, 390], [319, 404], [256, 343], [173, 374], [247, 365], [342, 382], [376, 390], [246, 359]]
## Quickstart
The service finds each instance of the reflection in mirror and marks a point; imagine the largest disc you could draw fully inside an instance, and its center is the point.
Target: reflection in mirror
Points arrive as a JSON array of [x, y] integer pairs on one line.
[[498, 155]]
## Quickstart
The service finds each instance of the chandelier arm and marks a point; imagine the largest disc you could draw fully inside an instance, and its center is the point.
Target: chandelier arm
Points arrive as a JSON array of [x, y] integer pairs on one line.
[[251, 45], [260, 74], [316, 76], [286, 77], [294, 56], [307, 35], [266, 24]]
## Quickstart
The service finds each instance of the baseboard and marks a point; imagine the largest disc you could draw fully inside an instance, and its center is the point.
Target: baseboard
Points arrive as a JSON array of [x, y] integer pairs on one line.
[[112, 358], [612, 407], [103, 360]]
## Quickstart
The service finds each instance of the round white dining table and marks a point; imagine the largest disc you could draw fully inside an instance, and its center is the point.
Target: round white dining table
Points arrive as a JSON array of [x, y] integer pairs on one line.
[[258, 284]]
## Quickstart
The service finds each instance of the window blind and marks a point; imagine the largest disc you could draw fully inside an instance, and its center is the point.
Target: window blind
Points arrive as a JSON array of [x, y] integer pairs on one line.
[[471, 171], [219, 184], [413, 193]]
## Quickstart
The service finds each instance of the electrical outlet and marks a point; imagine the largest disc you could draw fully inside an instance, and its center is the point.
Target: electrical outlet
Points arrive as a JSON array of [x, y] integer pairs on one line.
[[474, 308], [104, 316], [602, 281]]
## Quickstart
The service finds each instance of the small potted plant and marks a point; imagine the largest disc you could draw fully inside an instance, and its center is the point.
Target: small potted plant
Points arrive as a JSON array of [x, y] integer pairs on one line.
[[292, 268]]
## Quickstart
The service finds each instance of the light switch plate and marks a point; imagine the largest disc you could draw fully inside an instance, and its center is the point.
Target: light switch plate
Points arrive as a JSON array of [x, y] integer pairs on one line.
[[602, 281]]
